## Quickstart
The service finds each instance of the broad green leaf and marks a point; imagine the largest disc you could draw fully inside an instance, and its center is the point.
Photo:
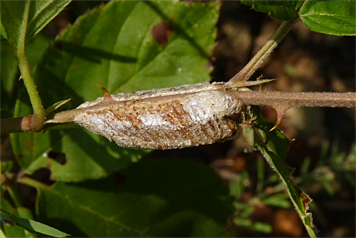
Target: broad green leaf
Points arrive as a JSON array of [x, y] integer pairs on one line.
[[26, 18], [32, 225], [113, 46], [281, 10], [273, 146], [158, 199], [330, 17]]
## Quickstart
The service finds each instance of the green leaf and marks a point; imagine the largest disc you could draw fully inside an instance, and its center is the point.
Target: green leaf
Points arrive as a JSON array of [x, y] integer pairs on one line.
[[2, 234], [330, 17], [158, 198], [32, 225], [281, 10], [237, 186], [36, 48], [6, 166], [11, 230], [256, 226], [26, 18], [8, 71], [113, 46], [273, 145], [277, 200], [87, 156], [55, 106]]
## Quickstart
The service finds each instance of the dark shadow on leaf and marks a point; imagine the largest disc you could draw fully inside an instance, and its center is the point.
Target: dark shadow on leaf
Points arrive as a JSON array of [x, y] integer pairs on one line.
[[186, 185], [159, 198], [183, 185], [92, 54], [58, 156]]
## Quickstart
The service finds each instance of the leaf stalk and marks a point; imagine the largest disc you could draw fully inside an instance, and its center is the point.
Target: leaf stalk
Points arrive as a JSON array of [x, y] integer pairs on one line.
[[39, 113]]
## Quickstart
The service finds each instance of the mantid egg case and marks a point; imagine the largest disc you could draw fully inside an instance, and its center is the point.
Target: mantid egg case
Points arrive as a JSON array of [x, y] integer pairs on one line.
[[169, 118]]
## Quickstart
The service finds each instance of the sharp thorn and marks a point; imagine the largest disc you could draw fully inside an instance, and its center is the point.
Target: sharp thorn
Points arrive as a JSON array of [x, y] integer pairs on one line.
[[107, 95], [280, 109]]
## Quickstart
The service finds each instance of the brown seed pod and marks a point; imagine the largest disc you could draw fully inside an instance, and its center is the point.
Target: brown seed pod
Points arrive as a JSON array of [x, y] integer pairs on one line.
[[169, 118]]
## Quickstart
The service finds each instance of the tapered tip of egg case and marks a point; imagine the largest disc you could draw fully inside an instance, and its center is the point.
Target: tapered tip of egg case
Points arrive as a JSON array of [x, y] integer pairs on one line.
[[107, 95]]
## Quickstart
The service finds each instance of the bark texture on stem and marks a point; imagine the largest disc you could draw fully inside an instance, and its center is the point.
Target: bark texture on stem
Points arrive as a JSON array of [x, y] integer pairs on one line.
[[296, 99], [19, 124]]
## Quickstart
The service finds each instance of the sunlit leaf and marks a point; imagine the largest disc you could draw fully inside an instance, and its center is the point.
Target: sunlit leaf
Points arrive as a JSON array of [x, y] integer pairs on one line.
[[281, 10], [31, 225], [330, 17], [113, 45], [26, 18]]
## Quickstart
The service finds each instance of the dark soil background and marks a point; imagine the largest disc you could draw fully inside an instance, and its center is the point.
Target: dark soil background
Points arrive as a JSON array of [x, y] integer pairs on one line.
[[304, 61]]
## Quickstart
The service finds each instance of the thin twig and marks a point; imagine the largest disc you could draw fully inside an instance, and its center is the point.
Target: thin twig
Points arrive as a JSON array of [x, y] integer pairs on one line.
[[296, 99], [18, 124], [262, 54], [39, 112]]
